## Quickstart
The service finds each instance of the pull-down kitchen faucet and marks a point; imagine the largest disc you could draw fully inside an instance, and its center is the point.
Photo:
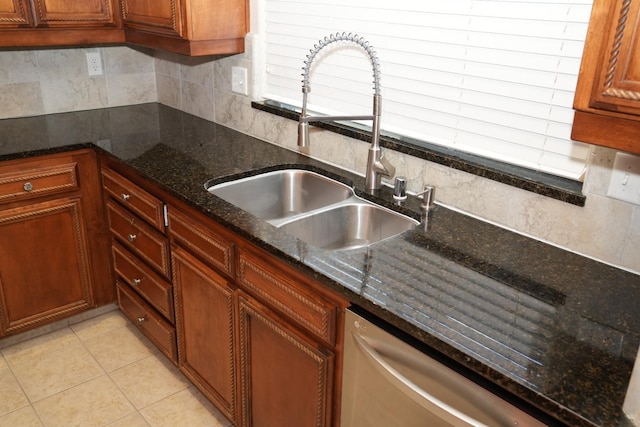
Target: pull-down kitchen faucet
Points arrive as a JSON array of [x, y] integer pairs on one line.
[[377, 165]]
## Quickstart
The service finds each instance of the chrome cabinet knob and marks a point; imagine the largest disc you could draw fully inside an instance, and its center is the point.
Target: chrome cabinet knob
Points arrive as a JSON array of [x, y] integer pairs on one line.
[[136, 282], [141, 320], [27, 186], [132, 237], [125, 196]]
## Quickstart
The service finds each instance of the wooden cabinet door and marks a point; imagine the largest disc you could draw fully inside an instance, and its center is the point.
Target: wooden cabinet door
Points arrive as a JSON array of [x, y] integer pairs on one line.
[[74, 13], [607, 99], [617, 84], [44, 267], [205, 322], [187, 27], [286, 379], [14, 14], [155, 16]]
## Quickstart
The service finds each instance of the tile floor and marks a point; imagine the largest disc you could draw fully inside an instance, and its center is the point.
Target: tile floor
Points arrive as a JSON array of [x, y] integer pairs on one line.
[[98, 372]]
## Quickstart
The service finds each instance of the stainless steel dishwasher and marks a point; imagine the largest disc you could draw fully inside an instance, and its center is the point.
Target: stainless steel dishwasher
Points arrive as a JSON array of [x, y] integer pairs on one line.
[[388, 382]]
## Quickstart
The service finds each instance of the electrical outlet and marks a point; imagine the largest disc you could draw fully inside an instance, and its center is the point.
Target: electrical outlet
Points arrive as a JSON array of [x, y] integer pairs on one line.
[[94, 63], [239, 80], [625, 178]]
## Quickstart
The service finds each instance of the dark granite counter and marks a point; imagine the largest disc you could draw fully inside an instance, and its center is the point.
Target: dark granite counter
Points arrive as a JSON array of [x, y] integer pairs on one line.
[[555, 329]]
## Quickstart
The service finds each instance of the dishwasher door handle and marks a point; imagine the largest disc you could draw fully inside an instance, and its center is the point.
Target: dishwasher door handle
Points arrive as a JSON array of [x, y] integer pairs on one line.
[[414, 392]]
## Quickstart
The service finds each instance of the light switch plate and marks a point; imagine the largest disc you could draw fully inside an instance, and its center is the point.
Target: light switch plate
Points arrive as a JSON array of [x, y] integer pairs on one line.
[[625, 178], [239, 80]]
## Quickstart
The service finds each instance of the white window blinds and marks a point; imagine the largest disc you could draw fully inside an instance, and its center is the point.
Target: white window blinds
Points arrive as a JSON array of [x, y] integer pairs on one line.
[[493, 78]]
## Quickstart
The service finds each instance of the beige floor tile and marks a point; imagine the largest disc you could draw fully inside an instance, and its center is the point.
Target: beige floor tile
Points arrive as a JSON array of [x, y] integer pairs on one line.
[[11, 395], [131, 347], [133, 420], [56, 371], [149, 380], [99, 325], [36, 347], [185, 408], [94, 403], [25, 417]]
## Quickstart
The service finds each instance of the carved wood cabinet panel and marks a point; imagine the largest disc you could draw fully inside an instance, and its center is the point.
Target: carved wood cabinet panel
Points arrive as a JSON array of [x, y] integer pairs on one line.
[[44, 266], [607, 100], [58, 13], [41, 23], [14, 14], [188, 27], [286, 379]]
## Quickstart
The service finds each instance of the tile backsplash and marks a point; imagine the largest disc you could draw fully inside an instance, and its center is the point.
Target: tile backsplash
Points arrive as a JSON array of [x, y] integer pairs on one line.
[[36, 82]]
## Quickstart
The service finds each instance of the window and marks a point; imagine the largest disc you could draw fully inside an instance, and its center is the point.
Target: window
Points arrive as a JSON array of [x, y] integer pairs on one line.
[[492, 78]]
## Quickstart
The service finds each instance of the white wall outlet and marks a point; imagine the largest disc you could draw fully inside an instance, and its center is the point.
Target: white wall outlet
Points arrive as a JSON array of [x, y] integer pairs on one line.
[[625, 178], [239, 82], [94, 63]]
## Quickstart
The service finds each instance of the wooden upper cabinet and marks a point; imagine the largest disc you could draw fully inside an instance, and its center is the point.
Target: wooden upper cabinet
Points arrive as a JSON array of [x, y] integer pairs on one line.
[[74, 13], [43, 23], [14, 14], [607, 100], [155, 16], [188, 27]]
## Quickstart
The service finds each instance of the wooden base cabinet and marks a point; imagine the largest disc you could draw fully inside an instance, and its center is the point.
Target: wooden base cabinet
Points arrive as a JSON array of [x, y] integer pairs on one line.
[[140, 256], [50, 209], [286, 379], [260, 340], [43, 263], [205, 324]]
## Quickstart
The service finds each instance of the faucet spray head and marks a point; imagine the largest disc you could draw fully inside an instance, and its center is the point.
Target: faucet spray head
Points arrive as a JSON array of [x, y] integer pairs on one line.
[[303, 134]]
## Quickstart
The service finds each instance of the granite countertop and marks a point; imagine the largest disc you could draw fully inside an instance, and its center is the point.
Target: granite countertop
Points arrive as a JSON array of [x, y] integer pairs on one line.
[[554, 328]]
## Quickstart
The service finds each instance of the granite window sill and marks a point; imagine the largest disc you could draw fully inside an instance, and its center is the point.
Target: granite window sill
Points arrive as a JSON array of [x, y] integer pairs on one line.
[[545, 184]]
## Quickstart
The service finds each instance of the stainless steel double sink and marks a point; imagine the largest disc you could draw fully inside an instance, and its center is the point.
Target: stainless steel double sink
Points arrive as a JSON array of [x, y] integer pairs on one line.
[[317, 210]]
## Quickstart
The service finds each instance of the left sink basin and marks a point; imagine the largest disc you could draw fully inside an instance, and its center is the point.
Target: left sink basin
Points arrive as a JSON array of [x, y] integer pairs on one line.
[[282, 194]]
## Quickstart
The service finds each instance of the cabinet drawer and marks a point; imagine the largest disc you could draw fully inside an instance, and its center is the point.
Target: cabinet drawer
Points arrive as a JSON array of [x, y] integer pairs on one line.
[[134, 198], [145, 241], [152, 325], [211, 247], [281, 292], [143, 280], [32, 179]]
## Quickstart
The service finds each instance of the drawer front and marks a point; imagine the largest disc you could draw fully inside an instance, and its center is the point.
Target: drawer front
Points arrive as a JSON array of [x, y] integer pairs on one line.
[[206, 244], [152, 325], [134, 198], [30, 180], [157, 291], [312, 313], [145, 241]]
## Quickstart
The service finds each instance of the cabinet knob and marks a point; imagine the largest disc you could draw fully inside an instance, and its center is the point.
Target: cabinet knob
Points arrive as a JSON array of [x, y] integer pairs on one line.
[[125, 196], [141, 320], [132, 237], [136, 282], [27, 186]]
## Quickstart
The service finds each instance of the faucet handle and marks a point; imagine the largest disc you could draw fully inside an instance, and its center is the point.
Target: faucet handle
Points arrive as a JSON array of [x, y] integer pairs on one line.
[[385, 167]]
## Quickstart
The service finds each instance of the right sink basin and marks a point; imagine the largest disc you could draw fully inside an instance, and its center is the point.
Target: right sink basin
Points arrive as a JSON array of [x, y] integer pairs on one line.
[[349, 226]]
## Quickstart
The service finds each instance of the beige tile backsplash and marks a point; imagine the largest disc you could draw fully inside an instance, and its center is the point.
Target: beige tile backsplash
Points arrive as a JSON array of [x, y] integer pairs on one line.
[[50, 81], [36, 82]]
